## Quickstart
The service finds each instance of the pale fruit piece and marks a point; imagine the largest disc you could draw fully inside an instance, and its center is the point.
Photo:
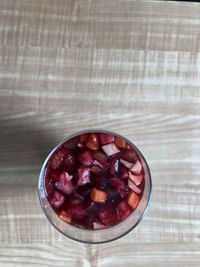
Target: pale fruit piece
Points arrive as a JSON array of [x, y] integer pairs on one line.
[[133, 200], [110, 149], [98, 195]]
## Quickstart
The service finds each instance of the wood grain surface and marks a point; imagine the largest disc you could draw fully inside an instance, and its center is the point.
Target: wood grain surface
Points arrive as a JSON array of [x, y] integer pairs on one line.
[[128, 66]]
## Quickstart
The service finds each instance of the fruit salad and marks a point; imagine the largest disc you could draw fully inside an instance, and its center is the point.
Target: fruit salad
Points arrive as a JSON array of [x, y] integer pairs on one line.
[[94, 180]]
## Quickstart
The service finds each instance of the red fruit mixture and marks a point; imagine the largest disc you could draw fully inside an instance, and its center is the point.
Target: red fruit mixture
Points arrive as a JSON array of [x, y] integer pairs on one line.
[[94, 180]]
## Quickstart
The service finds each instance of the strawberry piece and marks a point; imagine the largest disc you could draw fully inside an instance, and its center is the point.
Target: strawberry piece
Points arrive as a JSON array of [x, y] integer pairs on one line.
[[93, 142], [98, 195], [123, 173], [96, 169], [137, 167], [58, 157], [119, 142], [98, 226], [85, 158], [110, 149], [69, 162], [137, 179], [133, 200], [83, 138], [120, 187], [123, 210], [106, 138], [101, 157], [114, 165], [127, 164], [108, 215], [129, 155], [133, 187], [83, 176], [56, 199], [64, 184], [66, 217]]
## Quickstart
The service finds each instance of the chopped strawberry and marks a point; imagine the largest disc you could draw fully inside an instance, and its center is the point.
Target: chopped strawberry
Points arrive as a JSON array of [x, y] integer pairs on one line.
[[97, 163], [93, 142], [133, 200], [83, 175], [66, 217], [64, 184], [58, 157], [137, 167], [123, 174], [85, 158], [83, 138], [123, 210], [137, 179], [133, 187], [98, 226], [120, 186], [119, 142], [127, 164], [129, 155], [106, 138], [69, 162], [56, 199], [101, 157], [114, 165], [108, 215], [98, 195], [110, 149], [96, 169]]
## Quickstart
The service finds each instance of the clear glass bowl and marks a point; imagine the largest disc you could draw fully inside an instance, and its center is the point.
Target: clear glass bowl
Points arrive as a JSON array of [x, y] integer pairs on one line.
[[102, 235]]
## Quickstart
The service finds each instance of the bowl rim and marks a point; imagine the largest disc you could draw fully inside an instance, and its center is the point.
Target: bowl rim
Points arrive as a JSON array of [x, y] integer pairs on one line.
[[41, 179]]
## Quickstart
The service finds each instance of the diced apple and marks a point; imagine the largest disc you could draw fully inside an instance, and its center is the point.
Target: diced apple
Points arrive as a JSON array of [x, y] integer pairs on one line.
[[98, 195], [106, 138], [137, 168], [98, 226], [85, 158], [83, 176], [56, 199], [93, 142], [127, 164], [119, 142], [133, 200], [64, 183], [137, 179], [66, 217], [110, 149], [133, 187]]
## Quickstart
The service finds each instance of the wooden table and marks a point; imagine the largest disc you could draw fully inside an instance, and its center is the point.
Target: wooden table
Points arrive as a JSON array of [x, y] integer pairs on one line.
[[128, 66]]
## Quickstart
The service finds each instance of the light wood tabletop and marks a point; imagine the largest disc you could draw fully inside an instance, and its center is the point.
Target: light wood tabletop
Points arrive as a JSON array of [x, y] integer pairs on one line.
[[128, 66]]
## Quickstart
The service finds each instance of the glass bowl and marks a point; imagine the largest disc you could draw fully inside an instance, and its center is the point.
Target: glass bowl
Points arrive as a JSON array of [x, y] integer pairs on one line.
[[102, 235]]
